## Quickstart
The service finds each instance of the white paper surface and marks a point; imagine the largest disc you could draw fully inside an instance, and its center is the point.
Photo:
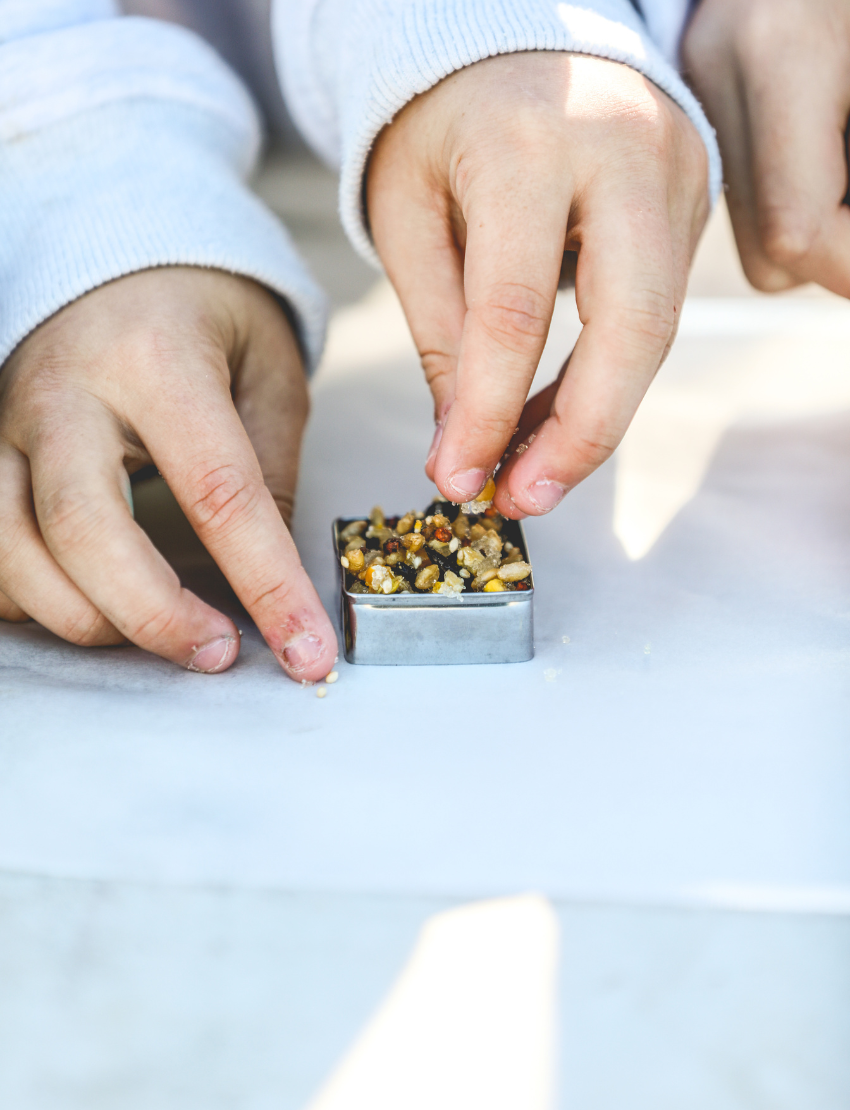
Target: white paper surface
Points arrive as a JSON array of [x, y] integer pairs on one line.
[[678, 749]]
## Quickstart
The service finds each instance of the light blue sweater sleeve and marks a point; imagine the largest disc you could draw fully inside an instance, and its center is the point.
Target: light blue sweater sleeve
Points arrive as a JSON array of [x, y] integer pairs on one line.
[[348, 66], [125, 144]]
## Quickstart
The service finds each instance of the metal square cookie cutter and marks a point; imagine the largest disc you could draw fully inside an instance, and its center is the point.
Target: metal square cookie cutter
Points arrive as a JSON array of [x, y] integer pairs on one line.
[[427, 629]]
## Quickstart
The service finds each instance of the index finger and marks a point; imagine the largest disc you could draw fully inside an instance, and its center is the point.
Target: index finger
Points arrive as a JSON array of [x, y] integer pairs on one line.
[[514, 253], [212, 470]]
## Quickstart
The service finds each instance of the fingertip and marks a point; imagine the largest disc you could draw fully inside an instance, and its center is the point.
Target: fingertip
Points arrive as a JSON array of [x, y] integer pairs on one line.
[[463, 484], [214, 656], [305, 645], [308, 657], [540, 496]]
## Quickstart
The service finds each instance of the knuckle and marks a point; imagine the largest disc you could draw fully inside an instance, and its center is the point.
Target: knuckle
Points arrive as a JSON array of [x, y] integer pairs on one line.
[[765, 277], [786, 235], [495, 425], [592, 451], [11, 612], [154, 626], [283, 497], [755, 30], [649, 323], [644, 123], [223, 495], [150, 350], [90, 629], [515, 316], [438, 368], [72, 517], [278, 597]]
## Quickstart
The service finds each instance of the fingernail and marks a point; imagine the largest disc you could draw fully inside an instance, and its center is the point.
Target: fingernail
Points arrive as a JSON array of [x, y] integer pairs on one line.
[[467, 484], [546, 494], [303, 653], [212, 657], [435, 443]]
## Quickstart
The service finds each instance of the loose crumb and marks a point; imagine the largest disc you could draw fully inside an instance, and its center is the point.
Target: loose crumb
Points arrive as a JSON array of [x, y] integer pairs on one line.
[[320, 693]]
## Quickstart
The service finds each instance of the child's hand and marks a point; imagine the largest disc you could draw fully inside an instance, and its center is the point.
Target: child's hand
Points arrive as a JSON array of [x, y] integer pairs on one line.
[[159, 366], [475, 192], [775, 79]]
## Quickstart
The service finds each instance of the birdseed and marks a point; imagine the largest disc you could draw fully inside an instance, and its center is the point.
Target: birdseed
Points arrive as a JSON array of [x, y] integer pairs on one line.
[[448, 550]]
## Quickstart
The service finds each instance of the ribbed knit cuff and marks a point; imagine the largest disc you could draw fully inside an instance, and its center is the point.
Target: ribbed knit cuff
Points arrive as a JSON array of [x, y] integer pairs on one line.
[[349, 66], [124, 145]]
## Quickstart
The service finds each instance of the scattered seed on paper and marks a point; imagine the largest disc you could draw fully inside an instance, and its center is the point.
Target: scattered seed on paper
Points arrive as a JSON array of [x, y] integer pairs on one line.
[[565, 639], [320, 693], [332, 677], [550, 674]]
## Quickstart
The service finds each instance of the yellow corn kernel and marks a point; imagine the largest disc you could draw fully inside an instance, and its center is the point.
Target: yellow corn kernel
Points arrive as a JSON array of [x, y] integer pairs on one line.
[[417, 527], [494, 586], [489, 491]]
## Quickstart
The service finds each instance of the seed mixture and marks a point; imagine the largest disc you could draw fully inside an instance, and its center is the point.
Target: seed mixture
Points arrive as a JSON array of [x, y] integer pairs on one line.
[[447, 549]]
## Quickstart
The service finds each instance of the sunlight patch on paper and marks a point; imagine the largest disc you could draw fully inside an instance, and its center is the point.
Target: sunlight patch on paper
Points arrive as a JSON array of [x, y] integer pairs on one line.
[[470, 1021]]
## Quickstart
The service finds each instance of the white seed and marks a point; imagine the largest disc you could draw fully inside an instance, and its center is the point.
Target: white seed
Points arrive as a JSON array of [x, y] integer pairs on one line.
[[332, 677], [514, 572], [320, 693], [356, 528], [454, 544], [345, 562], [464, 573]]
